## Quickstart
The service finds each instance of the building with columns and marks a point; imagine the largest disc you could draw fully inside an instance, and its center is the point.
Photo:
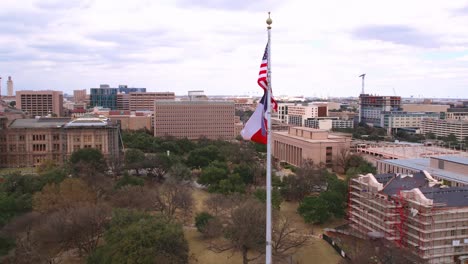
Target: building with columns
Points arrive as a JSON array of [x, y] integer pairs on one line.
[[300, 143], [29, 142]]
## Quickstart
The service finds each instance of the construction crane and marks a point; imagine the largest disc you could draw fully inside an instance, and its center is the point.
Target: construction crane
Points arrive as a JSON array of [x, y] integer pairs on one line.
[[362, 76]]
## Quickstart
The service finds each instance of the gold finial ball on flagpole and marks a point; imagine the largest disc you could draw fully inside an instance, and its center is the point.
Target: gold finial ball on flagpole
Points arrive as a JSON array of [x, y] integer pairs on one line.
[[269, 21]]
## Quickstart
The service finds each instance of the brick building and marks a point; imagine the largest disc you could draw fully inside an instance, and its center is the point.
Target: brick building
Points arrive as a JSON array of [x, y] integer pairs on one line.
[[195, 119], [29, 142], [300, 143], [40, 103]]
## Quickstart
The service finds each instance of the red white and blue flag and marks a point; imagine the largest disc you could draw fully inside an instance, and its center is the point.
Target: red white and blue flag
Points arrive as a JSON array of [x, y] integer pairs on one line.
[[256, 127]]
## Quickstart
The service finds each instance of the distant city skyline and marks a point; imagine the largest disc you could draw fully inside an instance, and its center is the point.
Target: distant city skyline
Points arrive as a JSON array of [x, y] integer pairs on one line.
[[417, 48]]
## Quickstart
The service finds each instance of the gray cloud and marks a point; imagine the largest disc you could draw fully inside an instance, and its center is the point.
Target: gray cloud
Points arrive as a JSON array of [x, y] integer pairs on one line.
[[398, 34], [61, 4], [461, 11], [231, 5], [140, 40]]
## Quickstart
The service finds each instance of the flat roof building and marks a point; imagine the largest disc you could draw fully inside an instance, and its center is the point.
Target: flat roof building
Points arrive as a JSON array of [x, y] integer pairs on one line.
[[104, 96], [452, 169], [40, 103], [79, 96], [195, 119], [445, 127], [145, 101], [300, 143]]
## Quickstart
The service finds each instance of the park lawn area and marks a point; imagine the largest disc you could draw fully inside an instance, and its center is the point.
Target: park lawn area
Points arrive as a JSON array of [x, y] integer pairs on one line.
[[316, 249]]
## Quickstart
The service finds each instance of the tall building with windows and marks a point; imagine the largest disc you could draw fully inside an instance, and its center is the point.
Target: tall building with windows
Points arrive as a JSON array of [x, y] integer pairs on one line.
[[399, 119], [145, 101], [372, 106], [79, 96], [445, 127], [104, 96], [126, 90], [40, 103], [195, 119]]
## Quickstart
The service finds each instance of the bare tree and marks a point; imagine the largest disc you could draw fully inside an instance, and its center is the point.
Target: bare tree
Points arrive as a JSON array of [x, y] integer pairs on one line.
[[68, 194], [245, 231], [30, 248], [221, 205], [79, 228], [172, 198], [286, 239], [134, 197], [342, 160]]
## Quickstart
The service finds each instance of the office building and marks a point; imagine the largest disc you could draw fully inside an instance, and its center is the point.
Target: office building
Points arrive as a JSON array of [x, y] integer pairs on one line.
[[195, 119], [299, 143], [328, 123], [145, 101], [445, 127], [79, 96], [457, 113], [40, 103], [418, 108], [394, 120], [123, 101], [372, 106], [126, 90], [104, 96]]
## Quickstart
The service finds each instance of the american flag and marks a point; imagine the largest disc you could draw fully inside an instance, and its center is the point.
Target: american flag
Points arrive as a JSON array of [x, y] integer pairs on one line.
[[263, 77]]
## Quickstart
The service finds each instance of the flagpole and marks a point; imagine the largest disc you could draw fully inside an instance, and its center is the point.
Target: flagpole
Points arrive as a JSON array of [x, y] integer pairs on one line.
[[268, 165]]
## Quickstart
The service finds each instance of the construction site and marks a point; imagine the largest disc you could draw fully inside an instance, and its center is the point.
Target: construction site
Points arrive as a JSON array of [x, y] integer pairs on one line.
[[414, 211]]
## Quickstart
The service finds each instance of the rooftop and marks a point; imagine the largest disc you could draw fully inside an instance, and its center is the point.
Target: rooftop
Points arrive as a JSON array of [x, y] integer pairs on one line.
[[39, 123], [424, 164], [451, 197], [404, 183], [455, 159], [441, 196]]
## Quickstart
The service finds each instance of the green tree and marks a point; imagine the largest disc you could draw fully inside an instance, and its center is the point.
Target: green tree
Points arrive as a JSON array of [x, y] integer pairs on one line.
[[6, 244], [232, 184], [134, 237], [276, 198], [16, 195], [88, 161], [246, 172], [201, 221], [129, 180], [314, 210], [213, 174], [180, 173], [202, 157], [134, 159]]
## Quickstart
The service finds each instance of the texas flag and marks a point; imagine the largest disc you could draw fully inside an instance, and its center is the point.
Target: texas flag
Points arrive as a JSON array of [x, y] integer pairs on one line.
[[256, 127]]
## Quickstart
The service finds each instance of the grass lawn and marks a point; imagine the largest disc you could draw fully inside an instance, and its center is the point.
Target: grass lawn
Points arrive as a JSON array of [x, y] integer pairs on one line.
[[316, 250]]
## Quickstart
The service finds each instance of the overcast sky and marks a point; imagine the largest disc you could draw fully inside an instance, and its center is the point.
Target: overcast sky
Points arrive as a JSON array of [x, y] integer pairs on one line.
[[319, 48]]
